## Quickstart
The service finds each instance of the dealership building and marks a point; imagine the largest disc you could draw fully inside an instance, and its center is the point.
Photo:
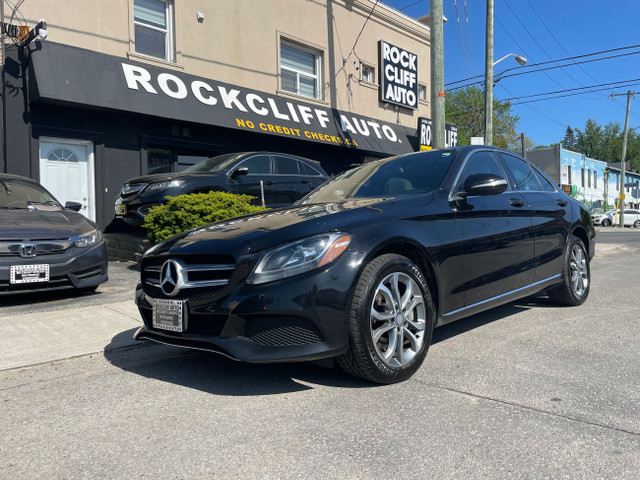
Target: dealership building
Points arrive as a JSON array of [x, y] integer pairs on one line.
[[122, 89]]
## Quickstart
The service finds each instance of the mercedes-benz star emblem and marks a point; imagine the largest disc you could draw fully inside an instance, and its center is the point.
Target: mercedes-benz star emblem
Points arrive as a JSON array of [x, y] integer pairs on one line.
[[171, 277]]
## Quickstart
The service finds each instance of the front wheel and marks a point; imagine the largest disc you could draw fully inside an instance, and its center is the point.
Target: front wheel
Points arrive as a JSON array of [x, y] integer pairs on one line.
[[636, 224], [606, 222], [391, 321], [576, 275]]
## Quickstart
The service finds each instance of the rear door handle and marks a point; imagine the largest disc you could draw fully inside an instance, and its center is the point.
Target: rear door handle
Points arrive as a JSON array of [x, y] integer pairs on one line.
[[516, 202], [561, 203], [268, 183]]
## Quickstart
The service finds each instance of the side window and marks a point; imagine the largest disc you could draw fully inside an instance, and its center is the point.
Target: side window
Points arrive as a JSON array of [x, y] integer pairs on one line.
[[286, 166], [260, 164], [481, 162], [307, 170], [547, 186], [523, 176]]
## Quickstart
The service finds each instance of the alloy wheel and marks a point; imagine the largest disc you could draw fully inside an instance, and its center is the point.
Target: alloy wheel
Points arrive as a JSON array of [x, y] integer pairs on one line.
[[579, 271], [398, 319]]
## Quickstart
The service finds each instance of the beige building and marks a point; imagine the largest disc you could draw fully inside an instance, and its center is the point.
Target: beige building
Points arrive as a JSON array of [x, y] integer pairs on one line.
[[129, 87]]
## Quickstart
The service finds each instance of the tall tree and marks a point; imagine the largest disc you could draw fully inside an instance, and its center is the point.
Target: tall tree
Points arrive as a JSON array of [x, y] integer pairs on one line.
[[465, 109], [569, 142], [589, 140]]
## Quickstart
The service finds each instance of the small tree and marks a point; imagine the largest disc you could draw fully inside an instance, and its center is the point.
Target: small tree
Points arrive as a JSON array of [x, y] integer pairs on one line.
[[185, 212]]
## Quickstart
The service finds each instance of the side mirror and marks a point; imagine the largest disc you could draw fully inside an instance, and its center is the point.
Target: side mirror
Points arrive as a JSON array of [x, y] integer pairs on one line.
[[484, 184], [240, 171], [75, 206]]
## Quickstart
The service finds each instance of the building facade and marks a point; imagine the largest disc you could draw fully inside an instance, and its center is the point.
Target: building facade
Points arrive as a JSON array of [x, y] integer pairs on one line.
[[122, 88], [595, 183]]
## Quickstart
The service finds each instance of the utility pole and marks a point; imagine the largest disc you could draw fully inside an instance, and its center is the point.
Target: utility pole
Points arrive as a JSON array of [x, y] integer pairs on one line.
[[524, 147], [488, 77], [623, 166], [436, 19], [2, 91]]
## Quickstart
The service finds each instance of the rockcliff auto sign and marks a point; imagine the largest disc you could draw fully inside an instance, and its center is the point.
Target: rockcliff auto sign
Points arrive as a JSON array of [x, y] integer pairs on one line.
[[68, 74], [398, 76]]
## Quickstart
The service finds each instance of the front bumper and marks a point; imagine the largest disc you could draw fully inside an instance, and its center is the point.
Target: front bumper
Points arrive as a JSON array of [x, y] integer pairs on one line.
[[75, 268], [296, 319]]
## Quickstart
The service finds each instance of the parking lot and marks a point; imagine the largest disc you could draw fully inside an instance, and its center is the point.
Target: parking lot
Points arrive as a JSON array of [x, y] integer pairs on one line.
[[528, 390]]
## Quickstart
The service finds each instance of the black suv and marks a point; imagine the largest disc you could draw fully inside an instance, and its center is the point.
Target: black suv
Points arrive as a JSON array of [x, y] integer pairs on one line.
[[285, 179]]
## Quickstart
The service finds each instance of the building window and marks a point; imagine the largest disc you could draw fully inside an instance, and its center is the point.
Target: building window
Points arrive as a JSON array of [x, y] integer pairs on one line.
[[589, 178], [569, 174], [153, 33], [300, 70], [367, 73], [582, 175], [595, 179], [422, 93]]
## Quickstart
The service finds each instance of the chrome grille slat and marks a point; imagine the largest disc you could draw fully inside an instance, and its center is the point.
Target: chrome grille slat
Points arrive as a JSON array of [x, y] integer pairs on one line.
[[152, 273]]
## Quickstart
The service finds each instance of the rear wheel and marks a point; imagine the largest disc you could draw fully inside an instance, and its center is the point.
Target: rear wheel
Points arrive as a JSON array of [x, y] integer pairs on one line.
[[606, 222], [576, 276], [391, 321], [636, 224]]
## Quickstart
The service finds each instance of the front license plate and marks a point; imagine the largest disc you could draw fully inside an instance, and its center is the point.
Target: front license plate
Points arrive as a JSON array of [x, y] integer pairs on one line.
[[29, 273], [169, 314]]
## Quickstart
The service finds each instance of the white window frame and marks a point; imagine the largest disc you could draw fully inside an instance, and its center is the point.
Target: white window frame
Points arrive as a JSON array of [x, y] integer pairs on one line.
[[369, 67], [317, 56], [422, 88], [168, 31]]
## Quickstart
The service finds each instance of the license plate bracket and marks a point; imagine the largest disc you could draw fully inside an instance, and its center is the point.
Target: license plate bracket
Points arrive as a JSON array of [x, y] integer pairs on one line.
[[169, 315], [29, 273]]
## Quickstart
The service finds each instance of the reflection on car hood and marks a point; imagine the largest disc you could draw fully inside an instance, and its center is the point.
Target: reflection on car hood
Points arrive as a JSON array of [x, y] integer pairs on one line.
[[273, 227], [35, 225], [163, 177]]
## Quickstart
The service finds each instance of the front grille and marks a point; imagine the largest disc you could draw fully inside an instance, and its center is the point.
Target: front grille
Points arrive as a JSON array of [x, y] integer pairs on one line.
[[11, 248], [282, 331], [198, 277], [54, 283]]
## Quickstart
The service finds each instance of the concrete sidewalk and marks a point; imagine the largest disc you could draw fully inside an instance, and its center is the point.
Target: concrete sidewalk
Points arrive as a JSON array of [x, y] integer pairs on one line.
[[33, 338], [41, 337]]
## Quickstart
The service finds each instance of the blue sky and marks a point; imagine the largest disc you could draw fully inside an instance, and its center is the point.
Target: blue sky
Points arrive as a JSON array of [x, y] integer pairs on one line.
[[541, 31]]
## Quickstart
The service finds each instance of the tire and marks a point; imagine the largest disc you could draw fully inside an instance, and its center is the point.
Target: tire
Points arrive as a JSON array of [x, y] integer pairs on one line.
[[606, 222], [88, 290], [636, 224], [576, 276], [376, 323]]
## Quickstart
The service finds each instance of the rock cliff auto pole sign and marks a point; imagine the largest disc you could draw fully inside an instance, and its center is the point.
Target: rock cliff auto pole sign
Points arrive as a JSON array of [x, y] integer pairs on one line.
[[398, 76]]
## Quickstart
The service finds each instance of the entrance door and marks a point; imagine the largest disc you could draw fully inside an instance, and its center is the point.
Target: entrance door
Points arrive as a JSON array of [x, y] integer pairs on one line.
[[67, 171]]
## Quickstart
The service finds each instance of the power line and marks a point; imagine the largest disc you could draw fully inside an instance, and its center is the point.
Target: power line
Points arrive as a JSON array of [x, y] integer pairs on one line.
[[584, 55], [501, 76], [594, 88], [536, 111], [466, 16], [464, 53]]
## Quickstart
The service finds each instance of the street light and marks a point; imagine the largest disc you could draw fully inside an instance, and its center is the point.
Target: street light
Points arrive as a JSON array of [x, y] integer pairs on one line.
[[521, 60], [488, 93]]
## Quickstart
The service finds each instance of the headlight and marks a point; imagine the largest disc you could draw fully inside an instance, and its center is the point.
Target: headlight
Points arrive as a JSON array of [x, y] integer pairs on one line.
[[88, 239], [162, 185], [298, 257]]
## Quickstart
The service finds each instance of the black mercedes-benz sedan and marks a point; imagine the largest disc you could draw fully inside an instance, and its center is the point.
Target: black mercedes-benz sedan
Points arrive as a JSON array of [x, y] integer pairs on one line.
[[43, 245], [363, 268], [275, 178]]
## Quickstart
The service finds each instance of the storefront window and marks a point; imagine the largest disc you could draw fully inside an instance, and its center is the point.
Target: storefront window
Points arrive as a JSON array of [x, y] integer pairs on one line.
[[300, 70], [153, 20]]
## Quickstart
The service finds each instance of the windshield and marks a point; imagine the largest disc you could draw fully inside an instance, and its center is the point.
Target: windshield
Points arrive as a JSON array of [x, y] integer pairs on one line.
[[17, 194], [213, 164], [398, 176]]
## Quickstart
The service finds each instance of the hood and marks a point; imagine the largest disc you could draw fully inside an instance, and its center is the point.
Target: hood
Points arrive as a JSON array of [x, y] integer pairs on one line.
[[163, 177], [40, 225], [259, 231]]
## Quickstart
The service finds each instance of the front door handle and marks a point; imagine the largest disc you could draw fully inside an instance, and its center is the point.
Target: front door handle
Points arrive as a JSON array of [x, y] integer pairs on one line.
[[268, 183], [561, 203], [516, 202]]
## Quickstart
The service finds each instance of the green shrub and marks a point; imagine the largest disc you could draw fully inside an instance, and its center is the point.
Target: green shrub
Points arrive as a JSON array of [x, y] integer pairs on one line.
[[185, 212]]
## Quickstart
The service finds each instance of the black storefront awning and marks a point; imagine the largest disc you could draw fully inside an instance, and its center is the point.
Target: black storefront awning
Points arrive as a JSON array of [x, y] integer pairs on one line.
[[67, 74]]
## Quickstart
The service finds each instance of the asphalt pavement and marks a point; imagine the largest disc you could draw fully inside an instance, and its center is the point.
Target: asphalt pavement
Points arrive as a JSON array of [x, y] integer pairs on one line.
[[43, 328]]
